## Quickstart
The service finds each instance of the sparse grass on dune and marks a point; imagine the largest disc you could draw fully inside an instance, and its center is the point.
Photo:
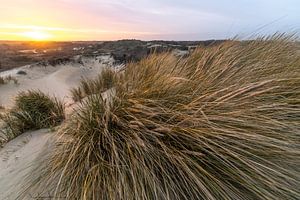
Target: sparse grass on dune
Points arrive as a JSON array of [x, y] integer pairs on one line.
[[2, 136], [220, 124], [7, 79], [103, 82], [2, 81], [33, 110]]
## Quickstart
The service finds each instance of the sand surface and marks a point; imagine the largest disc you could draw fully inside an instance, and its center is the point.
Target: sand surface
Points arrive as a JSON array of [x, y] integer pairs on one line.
[[17, 157], [16, 161], [55, 81]]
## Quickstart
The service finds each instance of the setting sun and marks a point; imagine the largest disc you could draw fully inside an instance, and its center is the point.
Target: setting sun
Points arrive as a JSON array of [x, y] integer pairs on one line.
[[37, 35]]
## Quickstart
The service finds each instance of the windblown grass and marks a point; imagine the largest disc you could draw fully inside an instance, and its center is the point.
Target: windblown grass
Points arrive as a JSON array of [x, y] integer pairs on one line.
[[7, 79], [103, 82], [2, 136], [33, 110], [2, 81], [220, 124]]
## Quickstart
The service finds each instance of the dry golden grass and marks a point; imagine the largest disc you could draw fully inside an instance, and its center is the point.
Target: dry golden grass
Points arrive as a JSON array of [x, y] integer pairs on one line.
[[103, 82], [2, 81], [33, 110], [220, 124], [7, 79]]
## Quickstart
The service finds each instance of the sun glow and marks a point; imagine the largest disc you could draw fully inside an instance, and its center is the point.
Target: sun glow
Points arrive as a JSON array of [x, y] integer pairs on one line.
[[29, 32], [37, 35]]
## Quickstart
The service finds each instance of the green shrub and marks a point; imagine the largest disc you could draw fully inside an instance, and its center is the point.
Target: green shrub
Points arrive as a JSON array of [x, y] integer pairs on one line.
[[33, 110], [220, 124]]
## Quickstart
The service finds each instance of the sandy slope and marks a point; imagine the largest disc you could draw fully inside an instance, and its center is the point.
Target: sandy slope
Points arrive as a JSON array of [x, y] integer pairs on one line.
[[16, 160], [17, 156], [52, 80]]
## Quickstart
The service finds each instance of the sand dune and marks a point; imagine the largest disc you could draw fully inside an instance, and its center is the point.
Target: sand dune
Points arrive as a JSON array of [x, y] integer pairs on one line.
[[17, 156], [55, 80], [16, 160]]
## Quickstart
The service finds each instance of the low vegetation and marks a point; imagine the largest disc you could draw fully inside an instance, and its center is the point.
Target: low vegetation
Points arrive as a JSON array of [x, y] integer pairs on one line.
[[33, 110], [103, 82], [7, 79], [2, 136], [220, 124]]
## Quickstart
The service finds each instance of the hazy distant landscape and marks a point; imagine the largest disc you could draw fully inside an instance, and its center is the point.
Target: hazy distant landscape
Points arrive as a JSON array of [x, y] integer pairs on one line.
[[16, 54]]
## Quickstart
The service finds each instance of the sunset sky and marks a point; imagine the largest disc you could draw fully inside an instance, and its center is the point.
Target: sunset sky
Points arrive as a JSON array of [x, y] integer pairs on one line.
[[145, 19]]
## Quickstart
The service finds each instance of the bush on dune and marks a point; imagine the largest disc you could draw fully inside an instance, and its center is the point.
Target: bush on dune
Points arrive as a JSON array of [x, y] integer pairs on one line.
[[220, 124], [2, 81], [103, 82], [7, 79], [33, 110], [2, 136]]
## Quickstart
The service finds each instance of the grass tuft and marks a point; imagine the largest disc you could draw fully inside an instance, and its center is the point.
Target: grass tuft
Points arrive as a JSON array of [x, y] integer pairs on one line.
[[222, 123], [103, 82], [7, 79], [2, 80], [33, 110]]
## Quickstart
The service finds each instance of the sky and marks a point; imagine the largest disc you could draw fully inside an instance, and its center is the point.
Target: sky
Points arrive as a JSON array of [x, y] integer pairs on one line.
[[145, 19]]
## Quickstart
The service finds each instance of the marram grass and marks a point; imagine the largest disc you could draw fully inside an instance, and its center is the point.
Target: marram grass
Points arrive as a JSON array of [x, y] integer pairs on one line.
[[104, 81], [33, 110], [8, 79], [223, 123]]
